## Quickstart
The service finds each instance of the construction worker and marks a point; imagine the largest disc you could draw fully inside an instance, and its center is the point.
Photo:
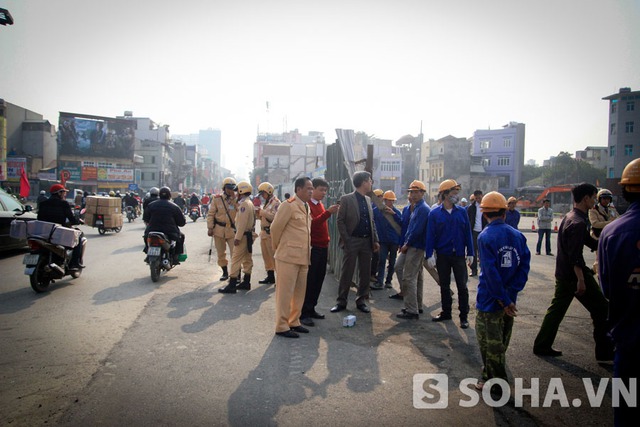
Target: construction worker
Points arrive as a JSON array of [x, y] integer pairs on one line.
[[449, 235], [619, 270], [266, 214], [242, 242], [504, 259], [388, 237], [375, 258], [513, 216], [221, 222]]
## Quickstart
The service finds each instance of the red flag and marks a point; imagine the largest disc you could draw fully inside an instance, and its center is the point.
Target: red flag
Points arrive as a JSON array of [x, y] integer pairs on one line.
[[25, 187]]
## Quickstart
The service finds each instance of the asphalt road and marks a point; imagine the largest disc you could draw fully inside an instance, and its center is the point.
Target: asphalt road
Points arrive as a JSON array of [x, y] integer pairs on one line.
[[113, 348]]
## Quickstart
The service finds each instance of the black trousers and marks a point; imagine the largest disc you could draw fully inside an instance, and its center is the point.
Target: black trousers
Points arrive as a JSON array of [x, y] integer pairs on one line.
[[315, 278]]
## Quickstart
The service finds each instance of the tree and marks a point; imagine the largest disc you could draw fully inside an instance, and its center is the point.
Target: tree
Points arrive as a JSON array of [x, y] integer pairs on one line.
[[566, 170]]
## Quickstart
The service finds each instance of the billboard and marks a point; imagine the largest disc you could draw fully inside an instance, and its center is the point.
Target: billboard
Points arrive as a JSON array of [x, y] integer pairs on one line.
[[83, 135]]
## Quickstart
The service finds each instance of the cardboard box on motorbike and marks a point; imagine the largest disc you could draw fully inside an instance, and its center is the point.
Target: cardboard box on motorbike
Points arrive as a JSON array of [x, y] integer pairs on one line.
[[109, 207], [49, 231]]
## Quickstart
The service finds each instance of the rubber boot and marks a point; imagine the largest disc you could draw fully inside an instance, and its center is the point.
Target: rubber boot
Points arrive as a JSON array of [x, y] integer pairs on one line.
[[230, 288], [225, 274], [246, 283], [269, 280]]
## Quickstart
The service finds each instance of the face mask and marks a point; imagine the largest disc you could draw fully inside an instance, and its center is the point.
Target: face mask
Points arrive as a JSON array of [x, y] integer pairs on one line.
[[453, 199]]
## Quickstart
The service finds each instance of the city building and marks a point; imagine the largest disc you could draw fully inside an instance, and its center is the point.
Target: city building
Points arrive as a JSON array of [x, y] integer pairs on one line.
[[28, 141], [502, 154], [445, 158], [624, 132], [597, 157]]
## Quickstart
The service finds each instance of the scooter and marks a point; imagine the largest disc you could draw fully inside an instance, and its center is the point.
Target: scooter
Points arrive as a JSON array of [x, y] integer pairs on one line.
[[48, 262], [194, 213], [161, 254], [131, 213]]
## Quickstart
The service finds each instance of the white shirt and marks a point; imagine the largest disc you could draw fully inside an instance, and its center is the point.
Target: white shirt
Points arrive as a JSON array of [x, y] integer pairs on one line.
[[477, 226]]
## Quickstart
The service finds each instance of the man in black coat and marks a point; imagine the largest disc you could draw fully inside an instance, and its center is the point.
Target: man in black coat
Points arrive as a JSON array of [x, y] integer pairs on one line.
[[165, 216], [478, 223], [57, 210]]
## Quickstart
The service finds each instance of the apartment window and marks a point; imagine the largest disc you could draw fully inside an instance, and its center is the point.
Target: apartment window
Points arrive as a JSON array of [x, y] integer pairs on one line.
[[610, 172], [628, 127], [153, 160], [485, 145], [612, 151], [486, 162], [631, 105], [614, 106], [141, 176], [628, 150], [613, 129], [153, 176], [506, 143], [504, 161], [504, 181]]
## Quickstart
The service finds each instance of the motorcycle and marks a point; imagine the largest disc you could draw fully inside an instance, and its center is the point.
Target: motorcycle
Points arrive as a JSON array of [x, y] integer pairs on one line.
[[194, 213], [78, 212], [48, 262], [161, 254], [131, 213]]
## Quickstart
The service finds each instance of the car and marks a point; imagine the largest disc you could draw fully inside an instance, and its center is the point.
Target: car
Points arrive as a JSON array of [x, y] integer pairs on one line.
[[10, 209]]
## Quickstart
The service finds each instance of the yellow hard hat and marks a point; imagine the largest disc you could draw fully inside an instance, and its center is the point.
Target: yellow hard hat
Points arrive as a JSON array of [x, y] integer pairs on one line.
[[229, 182], [631, 177], [511, 199], [448, 184], [417, 185], [493, 202], [389, 195], [244, 187], [378, 192], [266, 187]]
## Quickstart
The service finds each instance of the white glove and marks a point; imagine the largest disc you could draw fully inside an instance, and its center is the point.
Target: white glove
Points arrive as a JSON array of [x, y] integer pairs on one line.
[[431, 262], [469, 260]]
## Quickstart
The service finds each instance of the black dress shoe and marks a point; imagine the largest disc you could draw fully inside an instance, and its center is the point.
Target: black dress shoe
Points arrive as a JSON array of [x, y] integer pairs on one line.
[[288, 334], [404, 310], [300, 329], [473, 274], [337, 308], [363, 308], [441, 317], [307, 321], [406, 315], [396, 296], [547, 352], [316, 315], [464, 324]]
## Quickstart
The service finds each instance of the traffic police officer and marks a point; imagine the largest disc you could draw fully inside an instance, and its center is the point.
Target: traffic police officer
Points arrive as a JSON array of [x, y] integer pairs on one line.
[[221, 222], [242, 242], [267, 213], [619, 272], [291, 239]]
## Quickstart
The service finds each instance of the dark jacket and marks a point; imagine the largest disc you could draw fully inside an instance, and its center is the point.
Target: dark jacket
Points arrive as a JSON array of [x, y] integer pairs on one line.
[[471, 212], [56, 210], [147, 200], [164, 216]]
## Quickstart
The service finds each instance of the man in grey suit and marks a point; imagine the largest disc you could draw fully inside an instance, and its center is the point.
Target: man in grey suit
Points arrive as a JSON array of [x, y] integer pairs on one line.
[[358, 239]]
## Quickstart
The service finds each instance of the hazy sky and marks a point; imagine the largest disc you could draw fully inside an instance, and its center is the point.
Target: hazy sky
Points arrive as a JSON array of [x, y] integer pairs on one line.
[[378, 66]]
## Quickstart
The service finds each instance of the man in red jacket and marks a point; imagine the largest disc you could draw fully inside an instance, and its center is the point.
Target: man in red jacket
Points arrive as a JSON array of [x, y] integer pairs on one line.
[[319, 250]]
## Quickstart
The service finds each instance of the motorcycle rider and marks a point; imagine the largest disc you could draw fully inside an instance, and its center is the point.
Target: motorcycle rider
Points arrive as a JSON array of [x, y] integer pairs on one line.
[[56, 209], [180, 202], [129, 200], [165, 216], [194, 202], [153, 196]]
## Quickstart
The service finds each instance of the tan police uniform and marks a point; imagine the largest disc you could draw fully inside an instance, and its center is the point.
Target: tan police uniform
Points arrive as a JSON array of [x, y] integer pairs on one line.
[[291, 239], [267, 213], [218, 221], [245, 222]]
